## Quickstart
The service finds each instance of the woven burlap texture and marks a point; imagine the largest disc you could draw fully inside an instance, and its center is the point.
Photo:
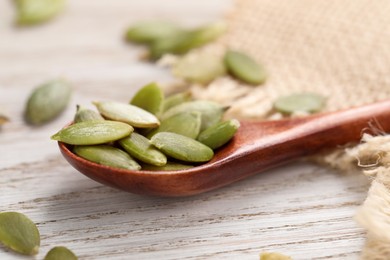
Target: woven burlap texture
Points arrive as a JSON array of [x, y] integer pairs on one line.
[[338, 48]]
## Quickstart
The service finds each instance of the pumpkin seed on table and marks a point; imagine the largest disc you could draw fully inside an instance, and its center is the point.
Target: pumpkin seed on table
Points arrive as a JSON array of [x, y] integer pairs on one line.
[[93, 132], [3, 118], [169, 166], [31, 12], [60, 253], [107, 155], [273, 256], [19, 233], [219, 134], [176, 99], [211, 112], [85, 114], [147, 32], [202, 68], [185, 123], [244, 68], [47, 101], [149, 98], [140, 148], [182, 147], [127, 113], [300, 102]]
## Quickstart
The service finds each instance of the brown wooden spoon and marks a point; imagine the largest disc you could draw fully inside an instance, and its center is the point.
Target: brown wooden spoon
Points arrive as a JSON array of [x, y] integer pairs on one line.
[[257, 146]]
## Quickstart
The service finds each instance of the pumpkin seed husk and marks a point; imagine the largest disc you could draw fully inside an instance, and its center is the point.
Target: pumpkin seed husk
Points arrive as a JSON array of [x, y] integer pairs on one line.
[[182, 147], [149, 98], [60, 253], [19, 233], [47, 101], [3, 119], [85, 114], [176, 99], [202, 68], [31, 12], [169, 166], [219, 134], [185, 123], [107, 155], [273, 256], [127, 113], [93, 132], [300, 102], [244, 68], [211, 112], [140, 148], [147, 32]]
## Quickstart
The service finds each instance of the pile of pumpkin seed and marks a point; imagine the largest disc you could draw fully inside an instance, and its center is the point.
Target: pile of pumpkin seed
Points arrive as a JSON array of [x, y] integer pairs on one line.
[[151, 132]]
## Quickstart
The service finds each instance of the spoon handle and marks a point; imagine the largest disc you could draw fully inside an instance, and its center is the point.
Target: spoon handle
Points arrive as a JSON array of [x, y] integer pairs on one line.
[[281, 141]]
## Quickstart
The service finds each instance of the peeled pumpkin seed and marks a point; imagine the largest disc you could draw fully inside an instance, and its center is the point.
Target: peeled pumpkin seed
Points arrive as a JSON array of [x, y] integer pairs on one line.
[[107, 155], [202, 68], [127, 113], [185, 123], [19, 233], [60, 253], [147, 32], [219, 134], [176, 99], [149, 98], [182, 147], [169, 166], [244, 68], [200, 36], [93, 132], [47, 101], [211, 112], [167, 45], [85, 114], [140, 148], [300, 102], [30, 12]]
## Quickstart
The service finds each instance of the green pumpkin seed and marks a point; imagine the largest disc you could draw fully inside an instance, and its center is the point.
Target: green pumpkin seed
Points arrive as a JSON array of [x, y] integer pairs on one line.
[[149, 98], [147, 32], [30, 12], [140, 148], [167, 45], [85, 114], [47, 101], [107, 155], [186, 123], [169, 166], [300, 102], [93, 132], [176, 99], [60, 253], [244, 68], [127, 113], [211, 112], [182, 147], [202, 68], [219, 134], [200, 36], [184, 41], [19, 233]]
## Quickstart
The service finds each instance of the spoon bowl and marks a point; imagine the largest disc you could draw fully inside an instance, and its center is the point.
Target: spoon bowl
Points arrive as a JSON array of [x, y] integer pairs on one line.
[[257, 146]]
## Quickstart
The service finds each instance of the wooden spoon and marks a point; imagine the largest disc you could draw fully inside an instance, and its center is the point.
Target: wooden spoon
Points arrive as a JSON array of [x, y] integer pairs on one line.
[[256, 147]]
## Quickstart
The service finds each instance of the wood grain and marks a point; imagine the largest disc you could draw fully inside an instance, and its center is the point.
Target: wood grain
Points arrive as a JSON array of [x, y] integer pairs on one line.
[[301, 209]]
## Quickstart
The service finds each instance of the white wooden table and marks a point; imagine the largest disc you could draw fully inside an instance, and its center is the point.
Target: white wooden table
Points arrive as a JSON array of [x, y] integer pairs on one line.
[[301, 209]]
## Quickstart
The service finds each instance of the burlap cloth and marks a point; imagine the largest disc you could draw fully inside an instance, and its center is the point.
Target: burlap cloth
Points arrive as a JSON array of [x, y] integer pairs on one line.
[[340, 48]]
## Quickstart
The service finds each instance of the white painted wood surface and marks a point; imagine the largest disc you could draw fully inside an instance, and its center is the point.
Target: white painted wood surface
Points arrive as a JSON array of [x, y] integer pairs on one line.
[[302, 210]]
